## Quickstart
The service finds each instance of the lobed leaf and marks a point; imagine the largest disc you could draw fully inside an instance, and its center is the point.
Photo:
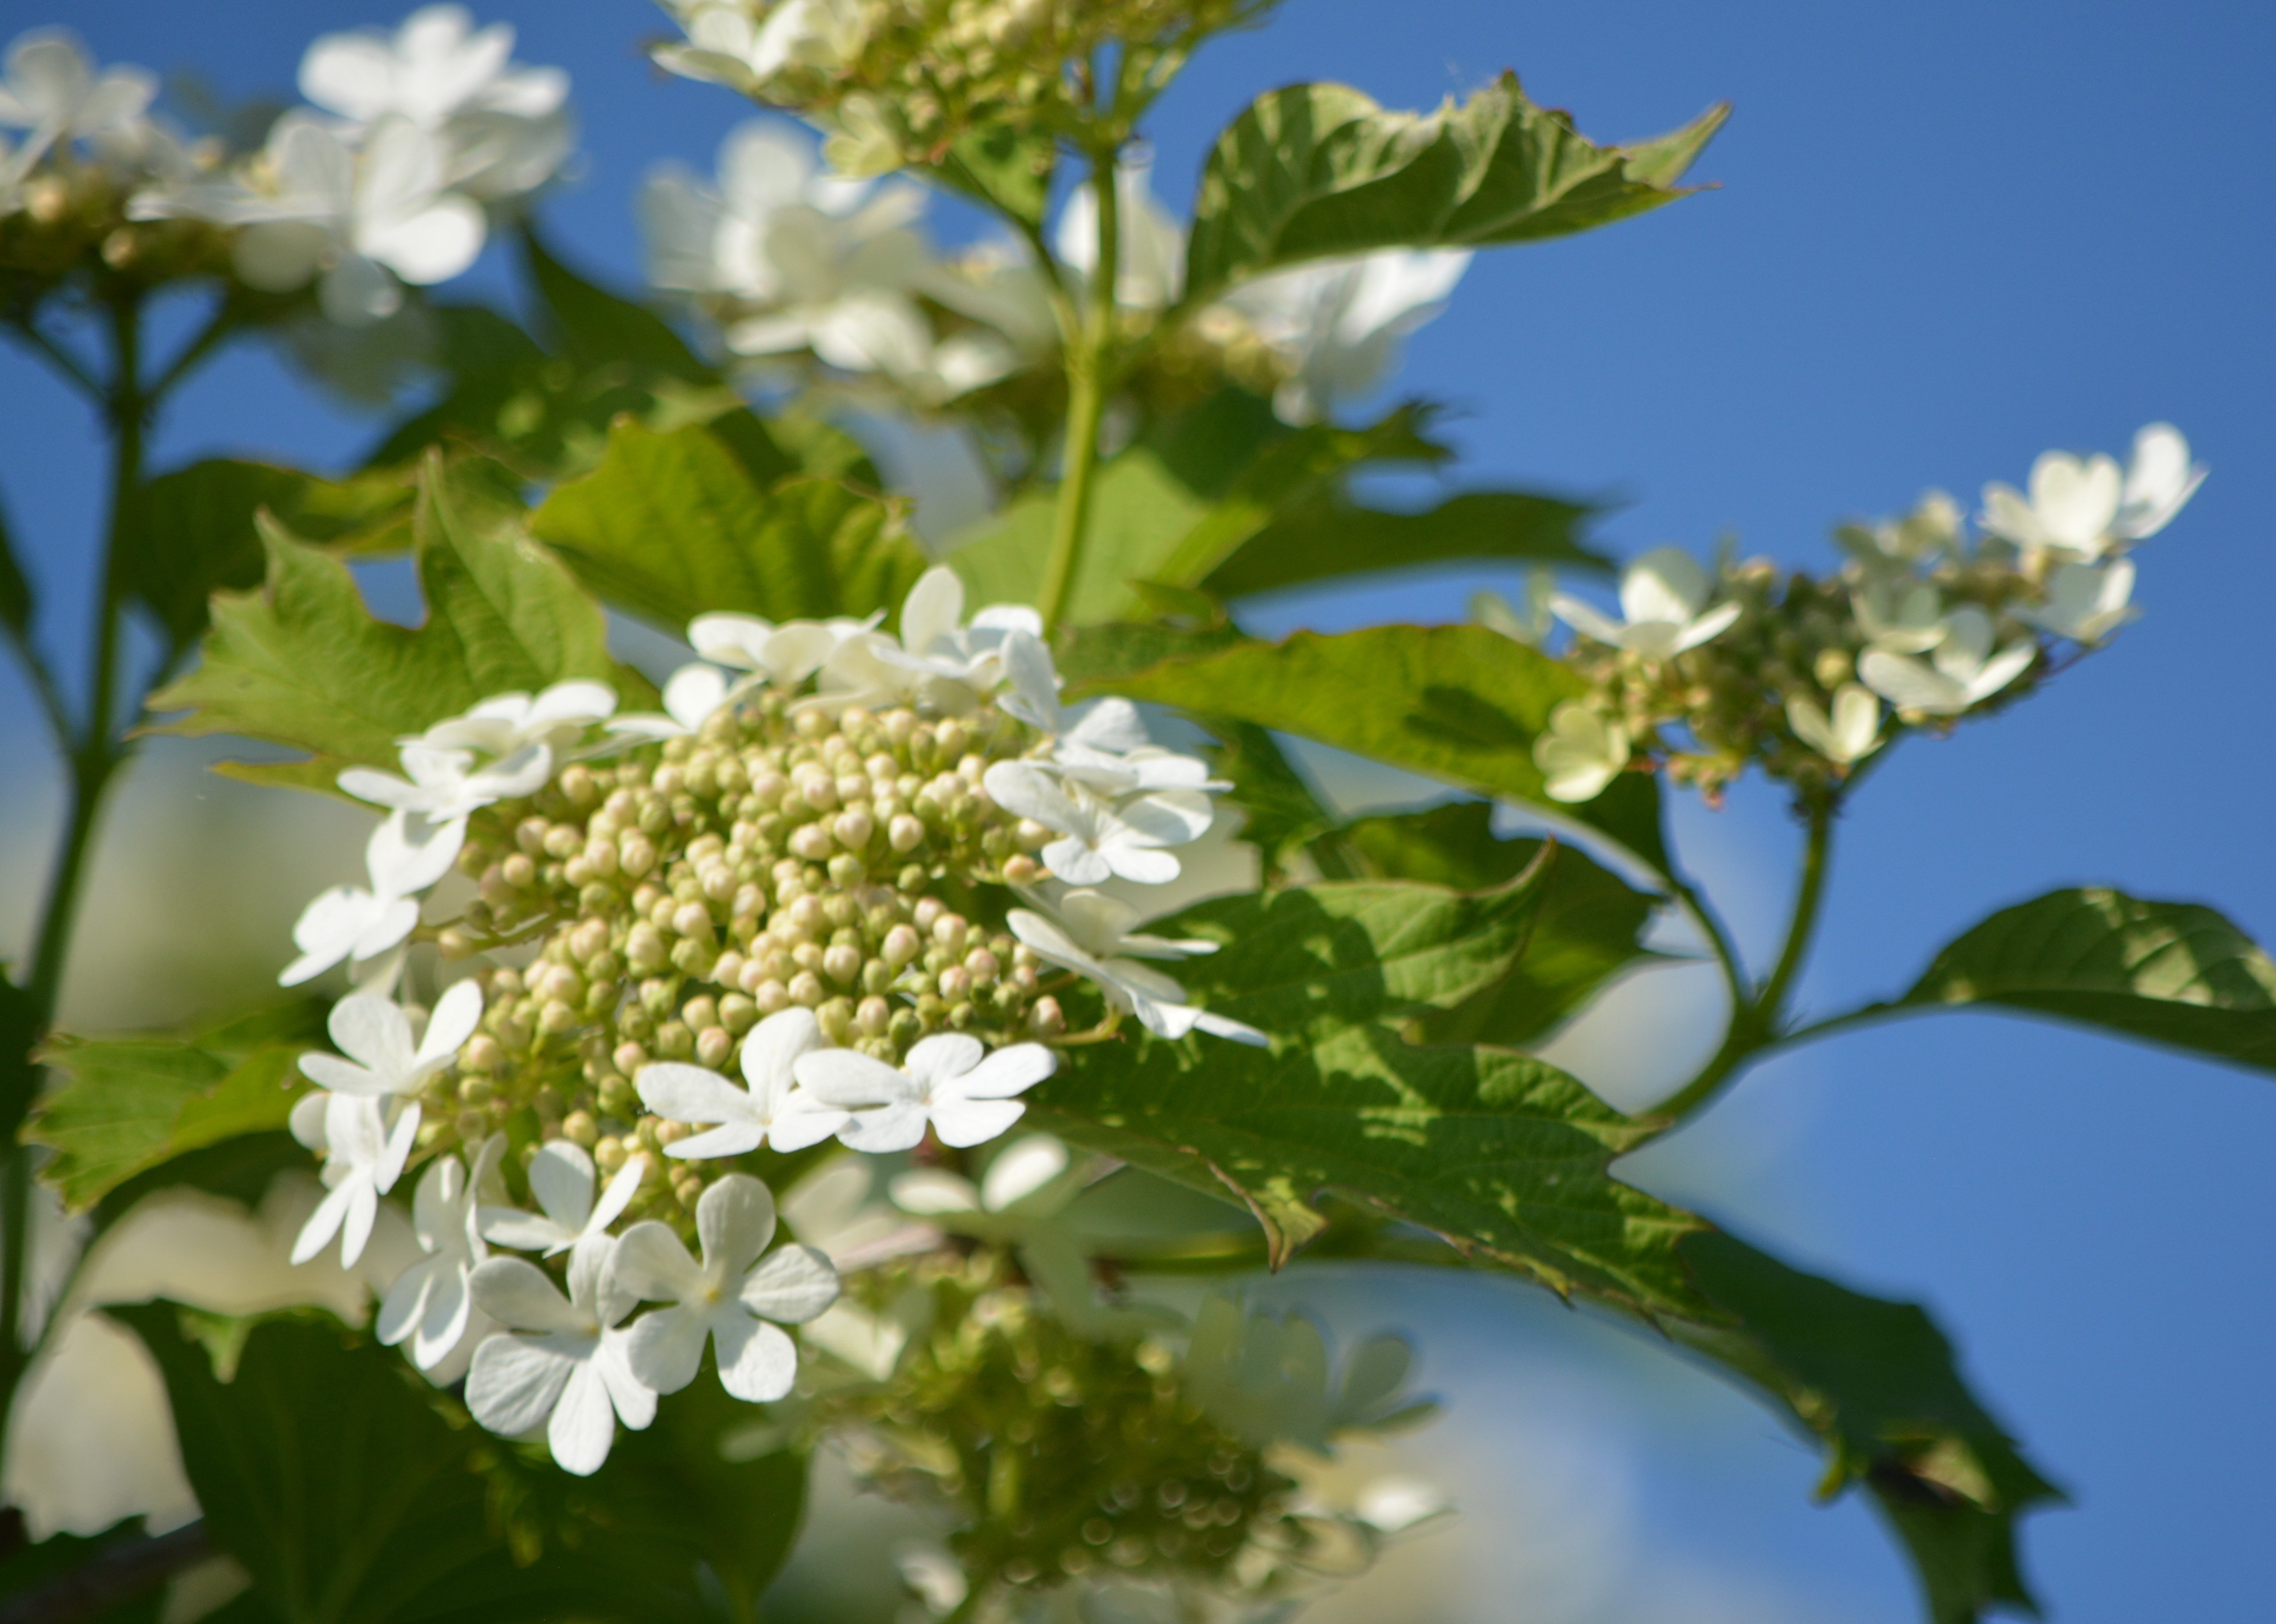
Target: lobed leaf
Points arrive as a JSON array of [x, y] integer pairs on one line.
[[1588, 929], [303, 663], [1330, 538], [1878, 1383], [128, 1105], [673, 526], [1502, 1155], [1315, 171], [2171, 973], [191, 533]]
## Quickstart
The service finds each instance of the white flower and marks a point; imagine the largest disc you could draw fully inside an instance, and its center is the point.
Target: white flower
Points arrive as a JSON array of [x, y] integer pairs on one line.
[[1020, 1171], [1152, 245], [1100, 838], [507, 724], [733, 42], [377, 1032], [313, 208], [938, 661], [2086, 602], [1964, 672], [445, 785], [570, 1372], [1904, 617], [364, 1156], [773, 1110], [1393, 1504], [1850, 735], [790, 258], [434, 67], [728, 1300], [1337, 325], [2080, 509], [829, 1210], [561, 1177], [53, 91], [1092, 937], [785, 655], [1664, 596], [692, 696], [1582, 753], [951, 1084], [430, 1306], [405, 854], [1529, 626]]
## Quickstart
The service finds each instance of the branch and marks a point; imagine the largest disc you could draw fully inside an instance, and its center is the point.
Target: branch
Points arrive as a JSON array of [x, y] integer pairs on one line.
[[119, 1572]]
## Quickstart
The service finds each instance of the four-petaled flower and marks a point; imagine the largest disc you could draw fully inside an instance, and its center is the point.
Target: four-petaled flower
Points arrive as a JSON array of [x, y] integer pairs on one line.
[[2086, 602], [430, 1306], [1100, 838], [772, 1110], [1092, 936], [950, 1083], [364, 1153], [1664, 596], [384, 1059], [1849, 735], [1582, 753], [2081, 508], [561, 1177], [569, 1373], [728, 1299]]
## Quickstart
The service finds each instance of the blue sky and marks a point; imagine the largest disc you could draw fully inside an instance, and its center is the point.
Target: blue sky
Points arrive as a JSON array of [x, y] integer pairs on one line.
[[1946, 236]]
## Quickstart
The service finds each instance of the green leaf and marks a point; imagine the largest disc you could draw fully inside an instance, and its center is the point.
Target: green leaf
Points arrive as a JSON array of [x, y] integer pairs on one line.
[[1459, 703], [1462, 704], [347, 1496], [1878, 1383], [1170, 509], [1329, 538], [1587, 931], [191, 532], [1281, 813], [673, 526], [1502, 1155], [303, 663], [2171, 973], [1312, 171], [1008, 169], [128, 1105]]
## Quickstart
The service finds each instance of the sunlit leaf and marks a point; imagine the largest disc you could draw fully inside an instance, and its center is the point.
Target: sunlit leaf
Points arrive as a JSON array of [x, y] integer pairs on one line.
[[1312, 171], [1329, 538]]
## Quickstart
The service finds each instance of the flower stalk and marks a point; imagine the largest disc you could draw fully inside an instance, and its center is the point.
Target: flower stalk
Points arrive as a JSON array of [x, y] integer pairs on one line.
[[1089, 365]]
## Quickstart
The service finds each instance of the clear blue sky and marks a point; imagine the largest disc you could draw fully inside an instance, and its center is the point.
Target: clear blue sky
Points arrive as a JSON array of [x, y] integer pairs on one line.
[[1947, 236]]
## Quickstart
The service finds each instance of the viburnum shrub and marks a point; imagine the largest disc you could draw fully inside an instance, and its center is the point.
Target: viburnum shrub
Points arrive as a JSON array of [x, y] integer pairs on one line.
[[816, 1045]]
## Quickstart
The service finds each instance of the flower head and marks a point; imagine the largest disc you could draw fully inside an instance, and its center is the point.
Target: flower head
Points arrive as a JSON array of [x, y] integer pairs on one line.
[[729, 1299], [950, 1083]]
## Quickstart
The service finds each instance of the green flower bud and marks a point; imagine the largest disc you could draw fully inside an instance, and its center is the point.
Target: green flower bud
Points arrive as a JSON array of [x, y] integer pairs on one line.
[[842, 963], [578, 1128], [674, 1040], [806, 988], [713, 1045]]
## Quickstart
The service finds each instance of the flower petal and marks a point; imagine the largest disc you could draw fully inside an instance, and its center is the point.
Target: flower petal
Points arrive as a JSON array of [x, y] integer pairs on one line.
[[457, 1013], [584, 1424], [561, 1178], [770, 1055], [521, 1294], [515, 1382], [794, 1284], [849, 1078], [664, 1347], [965, 1122], [891, 1128], [734, 1220], [679, 1092], [757, 1363], [652, 1262], [1005, 1072]]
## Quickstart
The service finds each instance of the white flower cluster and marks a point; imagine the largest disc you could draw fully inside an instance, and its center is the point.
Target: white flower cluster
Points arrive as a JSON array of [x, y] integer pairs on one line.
[[1101, 801], [414, 140], [1923, 620], [789, 258], [70, 114]]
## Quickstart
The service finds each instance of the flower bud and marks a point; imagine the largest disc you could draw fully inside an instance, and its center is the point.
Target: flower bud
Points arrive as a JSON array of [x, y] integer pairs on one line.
[[608, 1154], [1022, 871], [905, 833], [699, 1012], [454, 944], [806, 988], [644, 949], [846, 869], [563, 841], [674, 1040], [949, 931], [873, 1018], [900, 945], [812, 841], [982, 964], [738, 1014], [772, 996], [842, 963], [1046, 1019], [629, 1058], [519, 872], [955, 983], [530, 834], [713, 1045], [635, 856], [555, 1016], [578, 1128], [854, 827], [692, 921], [836, 1019]]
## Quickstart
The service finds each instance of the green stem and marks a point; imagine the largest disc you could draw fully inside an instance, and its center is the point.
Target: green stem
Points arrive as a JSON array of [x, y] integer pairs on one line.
[[94, 757], [62, 360], [1757, 1016], [1088, 365]]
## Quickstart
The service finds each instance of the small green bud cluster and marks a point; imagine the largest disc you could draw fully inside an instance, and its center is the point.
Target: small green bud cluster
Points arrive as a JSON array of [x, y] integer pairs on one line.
[[69, 217], [1068, 1456], [682, 893], [925, 73], [1797, 636]]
